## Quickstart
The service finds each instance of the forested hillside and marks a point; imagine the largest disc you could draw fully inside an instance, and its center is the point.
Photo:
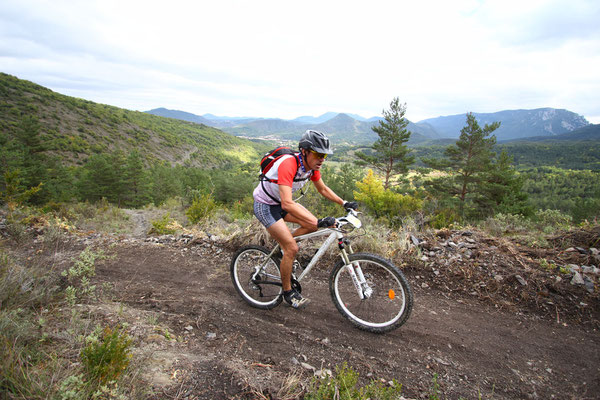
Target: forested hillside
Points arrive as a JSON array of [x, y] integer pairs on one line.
[[564, 154], [56, 148], [75, 129]]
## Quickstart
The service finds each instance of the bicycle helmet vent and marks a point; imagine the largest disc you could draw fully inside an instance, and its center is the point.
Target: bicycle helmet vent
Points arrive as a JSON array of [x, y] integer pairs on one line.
[[315, 141]]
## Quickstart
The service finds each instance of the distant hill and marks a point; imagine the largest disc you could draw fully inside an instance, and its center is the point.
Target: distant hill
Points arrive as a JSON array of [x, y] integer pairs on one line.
[[315, 120], [266, 127], [74, 129], [182, 115], [354, 129], [226, 122], [579, 149], [345, 129], [515, 124], [329, 115], [587, 133], [213, 117], [342, 128]]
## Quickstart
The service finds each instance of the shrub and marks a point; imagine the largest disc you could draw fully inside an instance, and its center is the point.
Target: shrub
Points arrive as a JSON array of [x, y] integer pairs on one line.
[[243, 209], [444, 218], [392, 243], [501, 224], [550, 220], [385, 203], [106, 355], [80, 273], [100, 216], [202, 207], [344, 386], [17, 230], [164, 225]]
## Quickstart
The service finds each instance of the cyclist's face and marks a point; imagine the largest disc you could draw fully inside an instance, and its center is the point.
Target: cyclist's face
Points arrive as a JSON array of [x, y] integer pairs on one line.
[[314, 160]]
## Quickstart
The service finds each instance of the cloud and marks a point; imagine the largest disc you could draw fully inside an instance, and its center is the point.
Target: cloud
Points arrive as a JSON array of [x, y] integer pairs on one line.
[[541, 24], [284, 59]]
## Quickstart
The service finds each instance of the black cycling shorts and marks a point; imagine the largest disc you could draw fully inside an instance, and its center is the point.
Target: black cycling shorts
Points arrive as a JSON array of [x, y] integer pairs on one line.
[[268, 214]]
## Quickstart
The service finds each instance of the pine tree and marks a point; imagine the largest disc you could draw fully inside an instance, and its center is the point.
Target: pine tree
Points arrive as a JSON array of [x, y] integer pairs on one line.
[[135, 181], [467, 162], [102, 177], [390, 154], [502, 189], [32, 164]]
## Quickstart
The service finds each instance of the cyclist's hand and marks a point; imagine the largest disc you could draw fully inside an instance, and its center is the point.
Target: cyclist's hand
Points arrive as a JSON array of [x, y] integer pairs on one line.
[[326, 222], [350, 205]]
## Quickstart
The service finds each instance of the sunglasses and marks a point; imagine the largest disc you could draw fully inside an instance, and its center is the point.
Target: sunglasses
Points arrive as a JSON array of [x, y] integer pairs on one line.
[[319, 155]]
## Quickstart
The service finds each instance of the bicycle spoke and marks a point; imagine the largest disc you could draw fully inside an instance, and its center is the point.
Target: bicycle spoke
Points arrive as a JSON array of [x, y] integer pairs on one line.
[[383, 301], [260, 289]]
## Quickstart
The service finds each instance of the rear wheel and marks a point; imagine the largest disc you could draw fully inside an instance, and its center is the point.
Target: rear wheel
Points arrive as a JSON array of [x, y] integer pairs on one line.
[[262, 290], [387, 298]]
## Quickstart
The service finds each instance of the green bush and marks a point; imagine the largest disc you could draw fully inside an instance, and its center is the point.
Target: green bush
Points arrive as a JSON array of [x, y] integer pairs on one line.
[[385, 203], [202, 207], [501, 224], [240, 210], [164, 225], [106, 355], [551, 220], [444, 218], [344, 386], [80, 274]]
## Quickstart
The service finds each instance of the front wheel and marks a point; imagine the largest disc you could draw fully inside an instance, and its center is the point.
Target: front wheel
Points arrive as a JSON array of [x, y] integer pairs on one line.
[[384, 300], [256, 277]]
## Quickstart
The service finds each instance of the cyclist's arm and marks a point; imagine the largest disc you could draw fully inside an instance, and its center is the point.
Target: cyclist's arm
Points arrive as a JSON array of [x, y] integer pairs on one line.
[[326, 192], [304, 216]]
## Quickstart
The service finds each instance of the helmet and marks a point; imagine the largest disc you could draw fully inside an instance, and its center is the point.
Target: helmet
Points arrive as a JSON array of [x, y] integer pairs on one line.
[[316, 141]]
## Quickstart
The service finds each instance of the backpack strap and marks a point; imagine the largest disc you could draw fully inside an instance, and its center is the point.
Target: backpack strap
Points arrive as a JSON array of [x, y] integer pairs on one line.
[[262, 184], [263, 178]]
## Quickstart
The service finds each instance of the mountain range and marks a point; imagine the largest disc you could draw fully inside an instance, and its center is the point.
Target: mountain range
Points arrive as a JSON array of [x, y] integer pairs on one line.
[[514, 124], [354, 129], [587, 133]]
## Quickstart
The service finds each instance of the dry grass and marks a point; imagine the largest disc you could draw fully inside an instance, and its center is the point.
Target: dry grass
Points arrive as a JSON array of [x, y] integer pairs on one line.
[[41, 338]]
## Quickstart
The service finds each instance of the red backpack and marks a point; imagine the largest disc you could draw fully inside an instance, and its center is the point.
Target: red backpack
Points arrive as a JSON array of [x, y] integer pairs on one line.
[[269, 159], [267, 162]]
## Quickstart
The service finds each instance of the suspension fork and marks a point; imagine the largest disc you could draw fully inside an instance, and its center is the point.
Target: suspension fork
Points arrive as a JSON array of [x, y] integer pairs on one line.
[[354, 270]]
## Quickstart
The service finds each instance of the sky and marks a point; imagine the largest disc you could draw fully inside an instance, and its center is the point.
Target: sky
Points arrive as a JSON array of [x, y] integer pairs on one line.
[[285, 59]]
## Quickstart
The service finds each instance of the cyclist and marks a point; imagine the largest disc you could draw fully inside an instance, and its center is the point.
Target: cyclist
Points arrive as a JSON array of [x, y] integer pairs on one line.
[[273, 203]]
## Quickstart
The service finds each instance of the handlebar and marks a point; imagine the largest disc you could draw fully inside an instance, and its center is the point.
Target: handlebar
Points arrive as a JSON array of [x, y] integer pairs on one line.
[[351, 218]]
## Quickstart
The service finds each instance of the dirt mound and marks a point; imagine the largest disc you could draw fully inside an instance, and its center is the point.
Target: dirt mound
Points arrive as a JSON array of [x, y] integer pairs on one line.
[[509, 275], [585, 238]]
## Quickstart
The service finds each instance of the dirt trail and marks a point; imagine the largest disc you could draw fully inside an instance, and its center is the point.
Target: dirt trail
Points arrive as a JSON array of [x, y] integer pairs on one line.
[[139, 221], [230, 350]]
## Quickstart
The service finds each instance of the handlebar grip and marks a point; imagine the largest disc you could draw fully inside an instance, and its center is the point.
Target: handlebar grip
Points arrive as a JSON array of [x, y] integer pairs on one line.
[[326, 222], [350, 205]]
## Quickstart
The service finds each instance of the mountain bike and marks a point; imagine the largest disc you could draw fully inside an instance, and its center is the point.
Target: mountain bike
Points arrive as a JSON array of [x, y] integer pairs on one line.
[[367, 289]]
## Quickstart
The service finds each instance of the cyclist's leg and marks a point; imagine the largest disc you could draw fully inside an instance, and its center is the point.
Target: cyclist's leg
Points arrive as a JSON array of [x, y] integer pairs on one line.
[[304, 229], [280, 232]]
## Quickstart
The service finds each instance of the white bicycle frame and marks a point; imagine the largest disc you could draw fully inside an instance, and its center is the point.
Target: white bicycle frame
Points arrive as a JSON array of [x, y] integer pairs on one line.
[[362, 287]]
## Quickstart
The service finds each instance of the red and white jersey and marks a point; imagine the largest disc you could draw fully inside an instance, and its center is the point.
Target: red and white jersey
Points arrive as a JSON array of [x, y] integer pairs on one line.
[[285, 171]]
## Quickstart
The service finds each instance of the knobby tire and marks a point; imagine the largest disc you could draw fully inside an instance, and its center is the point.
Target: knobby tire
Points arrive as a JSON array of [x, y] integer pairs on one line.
[[265, 292], [390, 303]]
